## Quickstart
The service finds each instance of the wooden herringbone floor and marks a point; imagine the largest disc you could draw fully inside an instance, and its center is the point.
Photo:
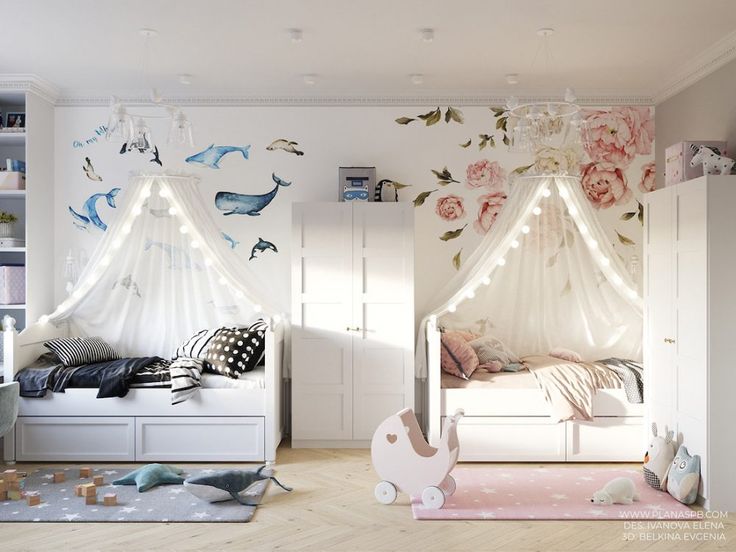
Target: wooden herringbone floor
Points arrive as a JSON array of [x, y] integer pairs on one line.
[[332, 508]]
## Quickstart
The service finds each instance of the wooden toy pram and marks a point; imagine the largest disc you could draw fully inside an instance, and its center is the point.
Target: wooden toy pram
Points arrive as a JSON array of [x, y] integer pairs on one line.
[[406, 462]]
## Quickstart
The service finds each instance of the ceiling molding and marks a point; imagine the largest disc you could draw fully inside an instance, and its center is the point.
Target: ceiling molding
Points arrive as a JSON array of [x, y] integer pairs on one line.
[[22, 83], [78, 99], [705, 63]]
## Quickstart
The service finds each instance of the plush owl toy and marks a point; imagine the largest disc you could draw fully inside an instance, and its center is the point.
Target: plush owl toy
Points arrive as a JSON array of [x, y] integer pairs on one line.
[[658, 459], [684, 476]]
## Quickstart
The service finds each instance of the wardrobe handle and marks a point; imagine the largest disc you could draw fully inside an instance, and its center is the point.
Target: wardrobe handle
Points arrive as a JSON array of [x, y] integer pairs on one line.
[[668, 340], [355, 329]]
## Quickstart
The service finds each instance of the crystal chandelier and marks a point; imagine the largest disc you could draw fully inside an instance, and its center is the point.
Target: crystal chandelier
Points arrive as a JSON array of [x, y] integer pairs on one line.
[[544, 124]]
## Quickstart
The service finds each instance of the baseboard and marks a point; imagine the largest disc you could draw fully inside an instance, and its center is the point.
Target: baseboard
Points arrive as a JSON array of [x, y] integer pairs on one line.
[[338, 443]]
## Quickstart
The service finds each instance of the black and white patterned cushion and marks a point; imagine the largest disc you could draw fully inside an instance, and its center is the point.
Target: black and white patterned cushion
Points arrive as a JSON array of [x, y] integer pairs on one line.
[[75, 351], [197, 345], [235, 351], [186, 376]]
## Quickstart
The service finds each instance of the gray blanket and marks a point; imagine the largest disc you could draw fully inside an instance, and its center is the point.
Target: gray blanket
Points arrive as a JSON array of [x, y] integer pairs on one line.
[[632, 376]]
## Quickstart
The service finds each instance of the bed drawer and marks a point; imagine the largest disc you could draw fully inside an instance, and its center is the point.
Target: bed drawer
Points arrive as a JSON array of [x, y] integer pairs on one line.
[[200, 439], [520, 439], [66, 438], [608, 439]]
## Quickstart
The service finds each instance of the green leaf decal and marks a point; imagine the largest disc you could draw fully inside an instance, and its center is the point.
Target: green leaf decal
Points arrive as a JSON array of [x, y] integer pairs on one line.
[[498, 111], [421, 198], [522, 169], [466, 144], [456, 260], [570, 238], [444, 177], [628, 216], [624, 240], [641, 213], [485, 140], [552, 260], [506, 140], [501, 123], [399, 185], [432, 117], [452, 234], [454, 114], [405, 120]]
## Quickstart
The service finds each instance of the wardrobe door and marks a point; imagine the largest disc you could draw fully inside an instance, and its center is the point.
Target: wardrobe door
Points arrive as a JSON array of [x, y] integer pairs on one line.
[[383, 310], [659, 292], [321, 311]]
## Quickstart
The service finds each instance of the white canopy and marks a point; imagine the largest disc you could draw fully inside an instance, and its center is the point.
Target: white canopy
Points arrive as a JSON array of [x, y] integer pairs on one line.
[[161, 272], [545, 276]]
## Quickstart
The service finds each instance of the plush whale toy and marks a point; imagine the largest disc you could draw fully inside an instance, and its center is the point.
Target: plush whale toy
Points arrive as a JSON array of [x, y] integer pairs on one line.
[[229, 485], [620, 490]]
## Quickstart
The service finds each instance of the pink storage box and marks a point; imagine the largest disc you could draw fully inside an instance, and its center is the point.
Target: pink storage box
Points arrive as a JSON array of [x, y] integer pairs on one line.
[[11, 180], [677, 161], [12, 285]]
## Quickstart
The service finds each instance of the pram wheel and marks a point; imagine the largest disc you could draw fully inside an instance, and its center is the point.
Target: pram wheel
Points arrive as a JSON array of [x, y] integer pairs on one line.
[[433, 497], [448, 486], [385, 492]]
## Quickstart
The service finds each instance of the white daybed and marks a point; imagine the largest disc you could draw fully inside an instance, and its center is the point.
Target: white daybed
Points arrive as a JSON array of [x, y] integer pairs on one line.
[[513, 423], [545, 276], [215, 425]]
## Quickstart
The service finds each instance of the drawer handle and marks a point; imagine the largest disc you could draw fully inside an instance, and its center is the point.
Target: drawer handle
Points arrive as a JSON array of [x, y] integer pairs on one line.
[[355, 329]]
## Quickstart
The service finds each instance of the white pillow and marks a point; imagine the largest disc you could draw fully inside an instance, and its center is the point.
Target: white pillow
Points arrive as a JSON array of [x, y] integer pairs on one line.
[[489, 348]]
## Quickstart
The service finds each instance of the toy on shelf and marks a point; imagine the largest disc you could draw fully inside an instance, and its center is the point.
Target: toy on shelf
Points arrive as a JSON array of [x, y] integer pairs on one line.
[[406, 462], [711, 159]]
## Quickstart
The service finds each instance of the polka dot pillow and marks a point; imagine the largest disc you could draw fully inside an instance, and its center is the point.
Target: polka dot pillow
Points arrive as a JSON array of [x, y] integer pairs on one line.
[[235, 351]]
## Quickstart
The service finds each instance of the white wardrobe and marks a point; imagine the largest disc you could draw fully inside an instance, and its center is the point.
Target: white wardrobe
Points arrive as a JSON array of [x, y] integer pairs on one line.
[[352, 320], [690, 309]]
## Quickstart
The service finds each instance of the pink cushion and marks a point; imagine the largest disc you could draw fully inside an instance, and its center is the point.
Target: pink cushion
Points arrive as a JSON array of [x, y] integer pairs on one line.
[[457, 357], [566, 354], [492, 366]]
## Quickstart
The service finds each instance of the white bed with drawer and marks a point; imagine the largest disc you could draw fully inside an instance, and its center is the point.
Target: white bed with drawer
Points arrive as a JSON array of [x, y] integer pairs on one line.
[[219, 423]]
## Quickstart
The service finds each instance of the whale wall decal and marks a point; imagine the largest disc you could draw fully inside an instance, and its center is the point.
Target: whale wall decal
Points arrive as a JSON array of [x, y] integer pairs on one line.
[[89, 214], [211, 156], [245, 204]]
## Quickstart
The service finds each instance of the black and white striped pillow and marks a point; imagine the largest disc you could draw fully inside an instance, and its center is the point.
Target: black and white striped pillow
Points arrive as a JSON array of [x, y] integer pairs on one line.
[[75, 351], [186, 376], [197, 345]]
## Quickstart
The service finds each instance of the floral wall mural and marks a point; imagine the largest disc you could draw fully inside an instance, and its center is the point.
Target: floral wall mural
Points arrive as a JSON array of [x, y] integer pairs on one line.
[[450, 161]]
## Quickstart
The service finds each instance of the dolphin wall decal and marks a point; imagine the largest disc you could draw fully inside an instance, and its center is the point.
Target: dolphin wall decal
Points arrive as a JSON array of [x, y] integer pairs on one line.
[[243, 204]]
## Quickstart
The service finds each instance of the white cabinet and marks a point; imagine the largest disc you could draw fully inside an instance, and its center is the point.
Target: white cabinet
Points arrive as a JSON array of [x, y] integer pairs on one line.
[[353, 319], [690, 309]]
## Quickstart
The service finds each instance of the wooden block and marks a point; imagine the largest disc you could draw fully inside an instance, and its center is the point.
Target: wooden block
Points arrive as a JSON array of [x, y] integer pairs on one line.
[[110, 499], [78, 490], [85, 472], [59, 477], [90, 499], [99, 480], [14, 486], [14, 495], [34, 499], [3, 485], [89, 489], [3, 495], [10, 475]]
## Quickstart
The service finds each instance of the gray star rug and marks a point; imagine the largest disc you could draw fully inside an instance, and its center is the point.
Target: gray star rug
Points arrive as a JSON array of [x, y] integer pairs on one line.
[[164, 503]]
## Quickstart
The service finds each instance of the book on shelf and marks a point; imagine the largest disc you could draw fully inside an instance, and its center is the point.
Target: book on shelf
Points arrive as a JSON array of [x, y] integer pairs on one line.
[[15, 165]]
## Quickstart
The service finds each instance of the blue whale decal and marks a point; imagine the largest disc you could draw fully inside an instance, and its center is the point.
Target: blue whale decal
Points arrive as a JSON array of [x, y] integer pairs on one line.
[[91, 216], [261, 246], [211, 156], [230, 240], [242, 204], [178, 258]]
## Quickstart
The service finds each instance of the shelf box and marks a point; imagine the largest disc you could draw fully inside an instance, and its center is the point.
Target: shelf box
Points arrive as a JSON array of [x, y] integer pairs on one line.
[[12, 285], [11, 180]]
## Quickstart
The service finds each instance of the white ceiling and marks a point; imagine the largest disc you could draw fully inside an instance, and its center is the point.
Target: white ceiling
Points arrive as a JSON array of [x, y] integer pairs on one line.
[[367, 47]]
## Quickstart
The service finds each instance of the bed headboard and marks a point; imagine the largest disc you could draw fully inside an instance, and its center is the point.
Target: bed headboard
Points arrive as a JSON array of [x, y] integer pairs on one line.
[[20, 349]]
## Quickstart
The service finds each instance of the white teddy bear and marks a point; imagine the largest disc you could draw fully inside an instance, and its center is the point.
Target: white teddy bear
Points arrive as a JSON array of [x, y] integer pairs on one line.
[[617, 491]]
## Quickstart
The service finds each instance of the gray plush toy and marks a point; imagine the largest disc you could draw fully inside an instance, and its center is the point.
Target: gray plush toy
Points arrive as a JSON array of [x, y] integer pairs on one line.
[[228, 485]]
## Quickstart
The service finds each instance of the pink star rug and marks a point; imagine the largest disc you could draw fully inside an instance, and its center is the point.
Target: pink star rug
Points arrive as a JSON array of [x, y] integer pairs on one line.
[[547, 493]]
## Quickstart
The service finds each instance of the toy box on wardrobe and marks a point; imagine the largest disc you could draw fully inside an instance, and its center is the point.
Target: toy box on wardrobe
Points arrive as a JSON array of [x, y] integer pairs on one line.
[[689, 275], [352, 320]]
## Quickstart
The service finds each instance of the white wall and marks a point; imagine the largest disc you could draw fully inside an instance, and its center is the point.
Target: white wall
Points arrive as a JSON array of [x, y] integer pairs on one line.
[[704, 111], [330, 137]]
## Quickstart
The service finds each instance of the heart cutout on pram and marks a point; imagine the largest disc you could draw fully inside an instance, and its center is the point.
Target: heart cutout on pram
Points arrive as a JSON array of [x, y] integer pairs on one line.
[[391, 438]]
